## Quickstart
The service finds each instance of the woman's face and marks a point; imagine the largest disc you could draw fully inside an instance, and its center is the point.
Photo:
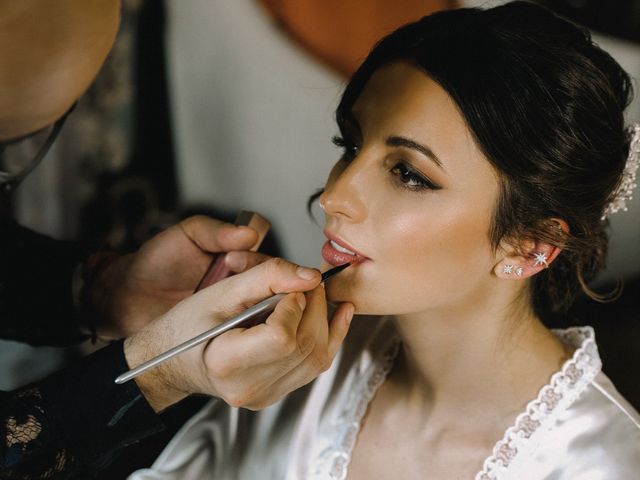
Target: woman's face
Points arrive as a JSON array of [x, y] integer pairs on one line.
[[413, 196]]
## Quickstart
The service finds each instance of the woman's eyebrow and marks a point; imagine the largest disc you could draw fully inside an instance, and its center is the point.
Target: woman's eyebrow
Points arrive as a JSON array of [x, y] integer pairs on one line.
[[407, 143]]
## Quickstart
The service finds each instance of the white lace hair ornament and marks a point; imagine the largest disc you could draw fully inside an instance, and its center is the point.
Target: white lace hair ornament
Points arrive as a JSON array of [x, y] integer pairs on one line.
[[624, 191]]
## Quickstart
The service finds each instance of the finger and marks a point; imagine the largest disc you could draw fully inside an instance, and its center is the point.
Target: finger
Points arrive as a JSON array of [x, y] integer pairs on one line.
[[314, 364], [276, 368], [212, 235], [328, 339], [248, 288], [294, 328], [339, 327], [240, 261], [284, 338], [313, 328], [257, 348], [297, 328], [283, 322], [303, 359]]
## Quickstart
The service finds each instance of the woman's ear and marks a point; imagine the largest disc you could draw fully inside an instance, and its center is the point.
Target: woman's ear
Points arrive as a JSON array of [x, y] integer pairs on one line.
[[531, 256]]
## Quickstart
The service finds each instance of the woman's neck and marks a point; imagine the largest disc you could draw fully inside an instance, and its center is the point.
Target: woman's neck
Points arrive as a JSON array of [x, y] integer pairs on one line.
[[489, 358]]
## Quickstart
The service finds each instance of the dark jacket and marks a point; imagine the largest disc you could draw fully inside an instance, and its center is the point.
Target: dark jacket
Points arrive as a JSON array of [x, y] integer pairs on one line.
[[76, 421]]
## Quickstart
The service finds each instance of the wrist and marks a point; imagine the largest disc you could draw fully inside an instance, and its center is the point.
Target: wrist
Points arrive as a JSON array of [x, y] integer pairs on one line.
[[99, 278], [154, 384]]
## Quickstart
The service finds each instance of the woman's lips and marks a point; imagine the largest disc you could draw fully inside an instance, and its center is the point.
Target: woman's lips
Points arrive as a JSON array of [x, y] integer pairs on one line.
[[334, 253], [335, 257]]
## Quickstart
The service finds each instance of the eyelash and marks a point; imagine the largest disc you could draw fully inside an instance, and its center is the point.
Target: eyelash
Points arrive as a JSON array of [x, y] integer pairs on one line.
[[350, 150], [405, 175]]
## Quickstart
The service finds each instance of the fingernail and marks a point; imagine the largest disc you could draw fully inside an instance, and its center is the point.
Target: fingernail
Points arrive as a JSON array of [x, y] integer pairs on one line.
[[235, 261], [302, 300], [243, 229], [306, 273], [241, 232]]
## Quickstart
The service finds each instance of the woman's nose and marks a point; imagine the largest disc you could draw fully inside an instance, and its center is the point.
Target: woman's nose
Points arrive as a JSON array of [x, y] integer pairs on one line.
[[343, 193]]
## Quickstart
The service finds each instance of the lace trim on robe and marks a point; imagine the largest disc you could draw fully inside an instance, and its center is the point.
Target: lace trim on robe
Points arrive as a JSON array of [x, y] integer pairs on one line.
[[335, 460], [563, 389]]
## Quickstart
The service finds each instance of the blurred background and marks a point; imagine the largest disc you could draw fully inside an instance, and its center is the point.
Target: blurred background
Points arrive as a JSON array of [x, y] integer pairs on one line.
[[213, 106]]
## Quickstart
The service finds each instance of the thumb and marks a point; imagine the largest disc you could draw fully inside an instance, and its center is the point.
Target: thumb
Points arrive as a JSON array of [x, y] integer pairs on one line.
[[212, 235]]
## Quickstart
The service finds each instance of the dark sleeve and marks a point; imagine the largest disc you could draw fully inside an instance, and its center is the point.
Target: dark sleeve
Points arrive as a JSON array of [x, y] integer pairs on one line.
[[36, 298], [75, 422]]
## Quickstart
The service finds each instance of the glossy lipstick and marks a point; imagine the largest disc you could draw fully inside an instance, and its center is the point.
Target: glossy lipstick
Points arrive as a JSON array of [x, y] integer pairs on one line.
[[336, 251]]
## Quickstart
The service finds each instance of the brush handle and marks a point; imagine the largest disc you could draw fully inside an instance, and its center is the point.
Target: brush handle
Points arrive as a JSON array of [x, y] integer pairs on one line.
[[248, 318]]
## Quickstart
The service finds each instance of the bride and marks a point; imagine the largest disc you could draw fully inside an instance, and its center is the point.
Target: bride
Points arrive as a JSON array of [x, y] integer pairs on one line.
[[483, 152]]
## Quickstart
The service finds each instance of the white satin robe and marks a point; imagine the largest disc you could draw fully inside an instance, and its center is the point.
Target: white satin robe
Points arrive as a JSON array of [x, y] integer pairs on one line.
[[578, 428]]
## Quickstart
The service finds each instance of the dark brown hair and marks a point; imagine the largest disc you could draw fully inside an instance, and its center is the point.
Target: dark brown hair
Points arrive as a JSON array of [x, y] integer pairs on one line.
[[545, 106]]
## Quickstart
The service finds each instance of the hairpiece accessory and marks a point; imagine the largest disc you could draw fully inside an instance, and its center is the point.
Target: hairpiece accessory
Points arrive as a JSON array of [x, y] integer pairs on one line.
[[519, 271], [540, 259], [624, 191], [507, 269]]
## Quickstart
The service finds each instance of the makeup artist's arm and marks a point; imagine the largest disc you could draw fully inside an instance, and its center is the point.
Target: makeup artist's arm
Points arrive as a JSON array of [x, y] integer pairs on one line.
[[78, 419]]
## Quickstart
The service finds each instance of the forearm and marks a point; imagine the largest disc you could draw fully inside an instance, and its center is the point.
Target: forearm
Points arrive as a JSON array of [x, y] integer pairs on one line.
[[95, 285], [75, 422]]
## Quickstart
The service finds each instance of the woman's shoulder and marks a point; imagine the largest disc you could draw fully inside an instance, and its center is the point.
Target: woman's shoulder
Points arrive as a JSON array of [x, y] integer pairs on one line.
[[598, 436], [598, 395], [608, 421], [598, 415], [609, 398]]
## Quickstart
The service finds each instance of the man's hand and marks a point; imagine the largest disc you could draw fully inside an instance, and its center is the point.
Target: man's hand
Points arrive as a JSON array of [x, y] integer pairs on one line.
[[246, 367], [137, 288]]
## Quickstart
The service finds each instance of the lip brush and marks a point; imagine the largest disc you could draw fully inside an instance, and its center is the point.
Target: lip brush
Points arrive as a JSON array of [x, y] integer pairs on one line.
[[243, 319]]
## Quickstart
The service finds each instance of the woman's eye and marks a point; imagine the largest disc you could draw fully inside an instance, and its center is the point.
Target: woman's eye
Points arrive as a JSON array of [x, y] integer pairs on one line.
[[350, 150], [412, 179]]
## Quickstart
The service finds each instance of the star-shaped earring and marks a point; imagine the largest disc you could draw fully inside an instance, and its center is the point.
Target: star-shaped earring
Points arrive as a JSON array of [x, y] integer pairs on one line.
[[540, 259], [507, 269]]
